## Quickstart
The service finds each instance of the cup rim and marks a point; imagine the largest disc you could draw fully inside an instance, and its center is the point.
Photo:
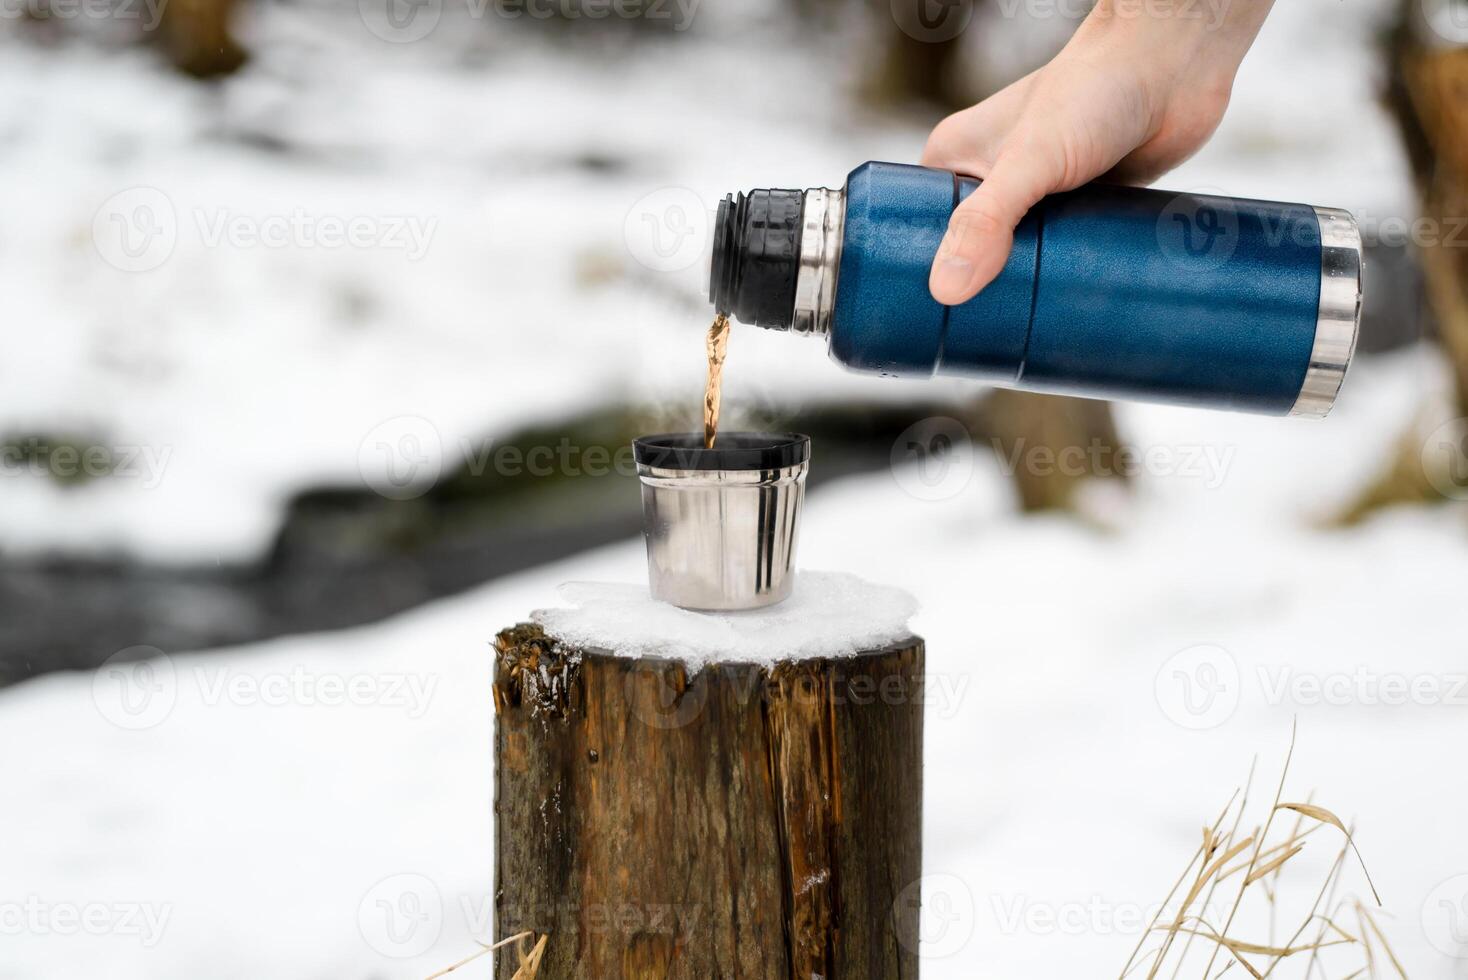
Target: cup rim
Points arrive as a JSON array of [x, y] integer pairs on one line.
[[733, 451]]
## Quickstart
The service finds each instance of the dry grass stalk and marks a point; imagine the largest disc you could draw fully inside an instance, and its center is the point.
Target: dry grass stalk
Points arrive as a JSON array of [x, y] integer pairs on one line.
[[1370, 928], [1239, 898], [1271, 884], [1287, 844], [1326, 894], [1217, 879], [530, 956], [1240, 946], [1263, 858], [1325, 816], [530, 964], [1133, 962]]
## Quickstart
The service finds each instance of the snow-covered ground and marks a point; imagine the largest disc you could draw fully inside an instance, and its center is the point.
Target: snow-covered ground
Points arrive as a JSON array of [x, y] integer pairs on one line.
[[316, 806]]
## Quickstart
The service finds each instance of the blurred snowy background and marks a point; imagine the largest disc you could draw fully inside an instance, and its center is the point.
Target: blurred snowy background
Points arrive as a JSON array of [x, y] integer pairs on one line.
[[327, 325]]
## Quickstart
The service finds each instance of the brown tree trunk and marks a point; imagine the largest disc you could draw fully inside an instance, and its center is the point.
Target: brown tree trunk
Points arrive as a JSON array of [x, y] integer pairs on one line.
[[1438, 82], [196, 35], [735, 821], [1052, 444], [911, 68], [1427, 93]]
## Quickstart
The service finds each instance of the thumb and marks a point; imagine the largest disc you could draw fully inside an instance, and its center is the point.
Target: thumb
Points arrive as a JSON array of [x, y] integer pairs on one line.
[[981, 230]]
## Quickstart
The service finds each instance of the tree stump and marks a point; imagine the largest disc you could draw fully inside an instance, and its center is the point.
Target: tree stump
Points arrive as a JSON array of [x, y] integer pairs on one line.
[[738, 820]]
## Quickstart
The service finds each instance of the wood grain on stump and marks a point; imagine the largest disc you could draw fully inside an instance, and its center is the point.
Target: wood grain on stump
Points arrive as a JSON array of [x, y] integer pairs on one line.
[[738, 820]]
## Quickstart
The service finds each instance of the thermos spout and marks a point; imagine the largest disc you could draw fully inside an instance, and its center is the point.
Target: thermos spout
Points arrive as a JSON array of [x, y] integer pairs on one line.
[[756, 257], [775, 258]]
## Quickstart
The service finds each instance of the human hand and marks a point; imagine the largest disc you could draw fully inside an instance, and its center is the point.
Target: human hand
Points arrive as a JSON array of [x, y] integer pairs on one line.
[[1130, 97]]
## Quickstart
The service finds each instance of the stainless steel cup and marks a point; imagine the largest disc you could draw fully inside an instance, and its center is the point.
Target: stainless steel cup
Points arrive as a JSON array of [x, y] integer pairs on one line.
[[721, 523]]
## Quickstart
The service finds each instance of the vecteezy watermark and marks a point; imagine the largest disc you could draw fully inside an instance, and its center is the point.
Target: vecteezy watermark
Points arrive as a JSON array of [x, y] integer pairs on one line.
[[138, 688], [69, 462], [1448, 19], [147, 13], [1202, 230], [1202, 686], [678, 14], [400, 21], [1445, 459], [1207, 465], [1422, 231], [135, 688], [939, 694], [401, 916], [665, 697], [932, 21], [34, 916], [1445, 917], [406, 21], [933, 459], [936, 21], [1199, 230], [1361, 686], [299, 228], [1211, 14], [404, 457], [668, 230], [409, 693], [935, 916], [137, 230], [564, 458], [678, 920], [1092, 916], [401, 458], [1198, 687]]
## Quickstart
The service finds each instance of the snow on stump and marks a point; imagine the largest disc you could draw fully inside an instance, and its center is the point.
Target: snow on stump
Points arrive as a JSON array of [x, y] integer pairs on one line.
[[695, 795]]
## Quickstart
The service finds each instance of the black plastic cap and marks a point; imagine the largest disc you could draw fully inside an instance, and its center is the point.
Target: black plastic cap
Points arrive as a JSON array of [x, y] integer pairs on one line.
[[732, 451], [756, 257]]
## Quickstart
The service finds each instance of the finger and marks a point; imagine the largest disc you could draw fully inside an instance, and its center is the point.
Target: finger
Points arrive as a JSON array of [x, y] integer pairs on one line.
[[981, 230]]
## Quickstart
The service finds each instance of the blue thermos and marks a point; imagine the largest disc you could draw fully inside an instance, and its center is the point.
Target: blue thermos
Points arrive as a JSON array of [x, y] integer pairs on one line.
[[1110, 292]]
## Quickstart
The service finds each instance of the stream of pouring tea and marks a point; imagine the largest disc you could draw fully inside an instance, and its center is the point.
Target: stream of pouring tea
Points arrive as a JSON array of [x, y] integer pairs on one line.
[[717, 346]]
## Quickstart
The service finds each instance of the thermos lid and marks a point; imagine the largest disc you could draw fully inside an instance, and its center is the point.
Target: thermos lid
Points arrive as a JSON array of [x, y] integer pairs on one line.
[[733, 451], [756, 257], [721, 524]]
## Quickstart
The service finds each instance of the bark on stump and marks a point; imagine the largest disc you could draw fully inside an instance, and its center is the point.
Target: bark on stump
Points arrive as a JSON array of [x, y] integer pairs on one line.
[[738, 821]]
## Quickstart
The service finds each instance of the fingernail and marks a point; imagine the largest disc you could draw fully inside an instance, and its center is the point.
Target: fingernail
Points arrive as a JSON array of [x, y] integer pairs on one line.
[[951, 276]]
